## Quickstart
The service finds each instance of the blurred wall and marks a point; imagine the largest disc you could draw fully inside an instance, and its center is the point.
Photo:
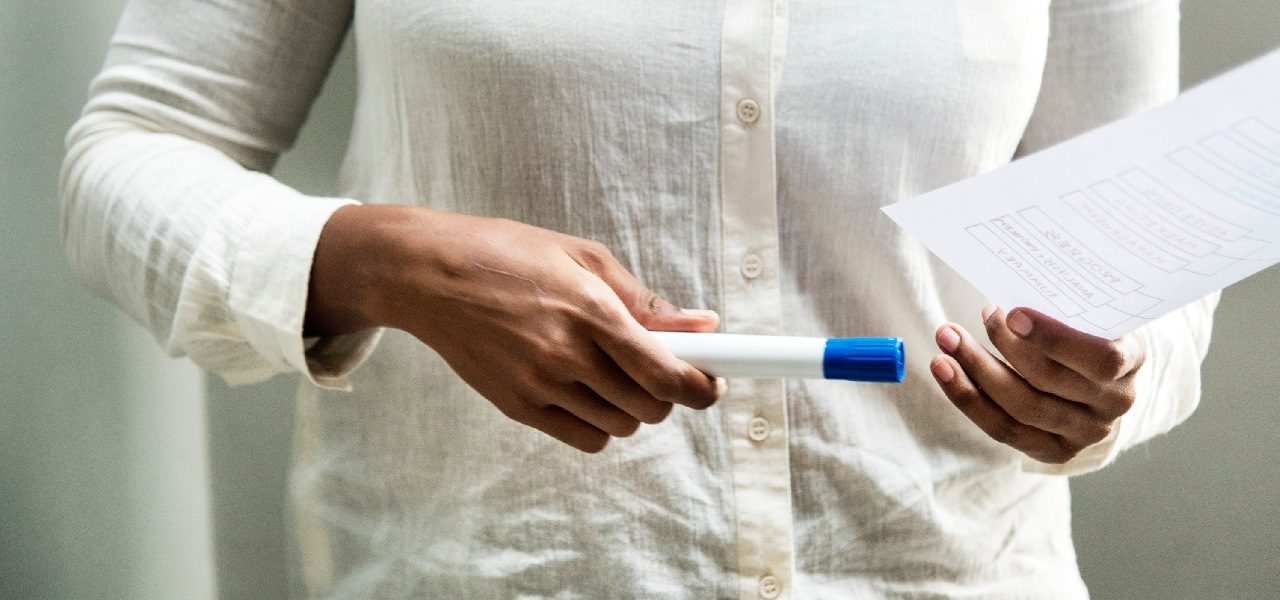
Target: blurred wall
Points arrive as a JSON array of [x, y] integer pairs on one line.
[[1196, 514], [108, 449], [104, 488]]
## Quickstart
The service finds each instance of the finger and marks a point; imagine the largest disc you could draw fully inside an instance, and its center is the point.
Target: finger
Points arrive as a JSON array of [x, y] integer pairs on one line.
[[1096, 358], [993, 420], [642, 357], [657, 314], [645, 360], [614, 385], [560, 424], [585, 404], [1014, 394], [1107, 400], [650, 310], [695, 320], [1028, 360]]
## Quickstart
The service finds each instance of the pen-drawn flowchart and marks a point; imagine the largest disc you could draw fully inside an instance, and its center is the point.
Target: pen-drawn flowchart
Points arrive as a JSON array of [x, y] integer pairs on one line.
[[1129, 222], [1147, 219]]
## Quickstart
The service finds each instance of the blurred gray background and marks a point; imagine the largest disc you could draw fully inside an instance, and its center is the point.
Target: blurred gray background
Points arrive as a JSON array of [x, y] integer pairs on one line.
[[125, 474]]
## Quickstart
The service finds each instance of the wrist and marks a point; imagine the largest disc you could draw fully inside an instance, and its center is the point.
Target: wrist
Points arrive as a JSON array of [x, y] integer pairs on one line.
[[350, 268]]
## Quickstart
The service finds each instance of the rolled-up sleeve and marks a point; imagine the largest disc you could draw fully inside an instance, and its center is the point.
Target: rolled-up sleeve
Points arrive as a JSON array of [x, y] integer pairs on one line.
[[166, 205], [1108, 59]]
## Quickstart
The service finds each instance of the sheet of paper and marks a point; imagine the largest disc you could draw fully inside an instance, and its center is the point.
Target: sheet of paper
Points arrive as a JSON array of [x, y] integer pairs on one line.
[[1128, 222]]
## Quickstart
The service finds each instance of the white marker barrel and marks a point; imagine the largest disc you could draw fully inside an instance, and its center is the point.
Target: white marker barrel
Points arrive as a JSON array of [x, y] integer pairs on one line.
[[783, 357]]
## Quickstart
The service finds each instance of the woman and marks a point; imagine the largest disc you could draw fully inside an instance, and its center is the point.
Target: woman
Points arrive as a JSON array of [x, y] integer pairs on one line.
[[516, 170]]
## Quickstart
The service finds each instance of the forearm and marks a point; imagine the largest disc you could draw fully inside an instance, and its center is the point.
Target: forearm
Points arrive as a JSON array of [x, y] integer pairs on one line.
[[203, 252], [167, 207]]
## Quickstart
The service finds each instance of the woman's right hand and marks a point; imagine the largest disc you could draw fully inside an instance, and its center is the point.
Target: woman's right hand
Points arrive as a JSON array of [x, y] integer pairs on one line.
[[550, 328]]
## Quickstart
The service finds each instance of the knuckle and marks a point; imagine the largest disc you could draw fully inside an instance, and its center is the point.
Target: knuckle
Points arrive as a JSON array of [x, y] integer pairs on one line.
[[560, 336], [594, 255], [964, 399], [597, 249], [648, 303], [561, 355], [1124, 402], [593, 297], [1114, 406], [643, 303]]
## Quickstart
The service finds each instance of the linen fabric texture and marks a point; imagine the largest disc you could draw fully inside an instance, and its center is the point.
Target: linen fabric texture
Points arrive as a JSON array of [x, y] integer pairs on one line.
[[619, 122]]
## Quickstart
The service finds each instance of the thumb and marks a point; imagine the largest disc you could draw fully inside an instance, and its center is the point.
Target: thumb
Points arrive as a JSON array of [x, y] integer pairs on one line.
[[674, 318], [651, 311], [657, 314]]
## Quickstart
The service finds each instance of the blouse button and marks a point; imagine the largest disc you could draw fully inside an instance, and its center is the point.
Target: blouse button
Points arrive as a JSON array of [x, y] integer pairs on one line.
[[758, 429], [770, 587], [748, 111], [752, 266]]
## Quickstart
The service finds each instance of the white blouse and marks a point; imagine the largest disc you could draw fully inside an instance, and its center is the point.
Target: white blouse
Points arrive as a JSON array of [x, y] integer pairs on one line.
[[734, 155]]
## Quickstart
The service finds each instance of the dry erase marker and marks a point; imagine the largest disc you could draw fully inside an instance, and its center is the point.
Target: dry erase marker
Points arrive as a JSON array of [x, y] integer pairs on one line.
[[768, 356]]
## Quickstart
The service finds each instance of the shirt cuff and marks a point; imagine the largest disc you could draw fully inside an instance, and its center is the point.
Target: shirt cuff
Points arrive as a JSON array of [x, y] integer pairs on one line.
[[270, 273]]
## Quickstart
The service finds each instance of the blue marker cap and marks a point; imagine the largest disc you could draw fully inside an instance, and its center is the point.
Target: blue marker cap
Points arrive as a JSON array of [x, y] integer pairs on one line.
[[864, 359]]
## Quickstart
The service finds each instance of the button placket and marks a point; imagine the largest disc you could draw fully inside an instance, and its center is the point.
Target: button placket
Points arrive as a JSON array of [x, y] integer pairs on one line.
[[752, 41]]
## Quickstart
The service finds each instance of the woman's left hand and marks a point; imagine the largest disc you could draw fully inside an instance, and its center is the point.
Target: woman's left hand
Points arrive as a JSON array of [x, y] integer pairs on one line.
[[1061, 391]]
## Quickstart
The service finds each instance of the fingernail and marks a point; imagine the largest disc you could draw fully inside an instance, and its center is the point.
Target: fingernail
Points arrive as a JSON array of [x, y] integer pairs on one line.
[[948, 340], [722, 386], [942, 370], [698, 312], [986, 312], [1019, 322]]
